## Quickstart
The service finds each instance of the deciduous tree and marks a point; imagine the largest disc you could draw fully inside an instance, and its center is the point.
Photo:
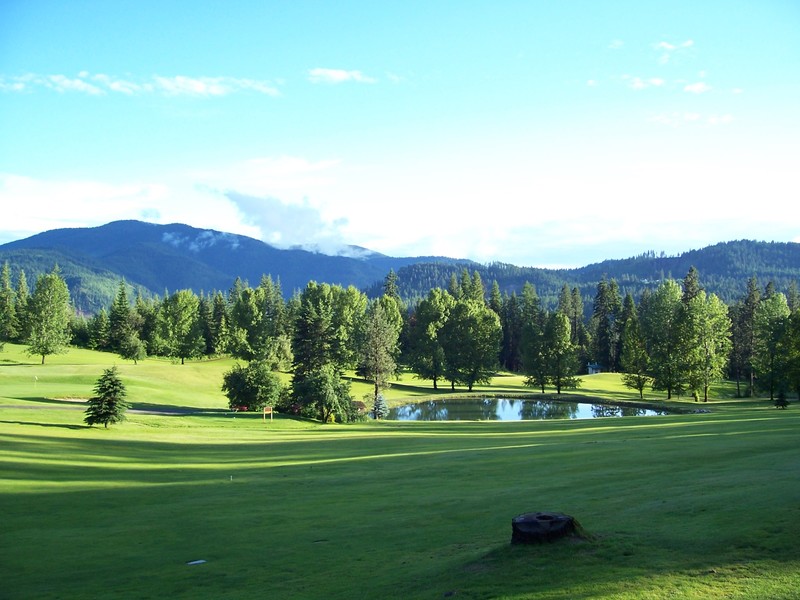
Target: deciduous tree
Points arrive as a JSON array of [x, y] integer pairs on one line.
[[771, 342], [253, 386], [634, 359], [660, 325], [50, 314], [426, 354], [471, 342], [561, 359], [179, 326]]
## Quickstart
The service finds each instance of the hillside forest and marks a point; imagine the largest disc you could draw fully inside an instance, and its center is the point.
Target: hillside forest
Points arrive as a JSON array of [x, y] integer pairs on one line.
[[676, 338]]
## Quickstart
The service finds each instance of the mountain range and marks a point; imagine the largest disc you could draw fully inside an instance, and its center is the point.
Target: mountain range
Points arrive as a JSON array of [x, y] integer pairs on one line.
[[158, 259]]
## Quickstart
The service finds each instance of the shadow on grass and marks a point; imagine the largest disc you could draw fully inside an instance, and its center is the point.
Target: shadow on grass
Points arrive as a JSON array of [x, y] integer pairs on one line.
[[42, 403], [52, 425]]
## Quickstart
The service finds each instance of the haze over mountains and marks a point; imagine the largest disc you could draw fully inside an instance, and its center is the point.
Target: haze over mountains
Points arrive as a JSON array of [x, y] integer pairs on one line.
[[156, 259]]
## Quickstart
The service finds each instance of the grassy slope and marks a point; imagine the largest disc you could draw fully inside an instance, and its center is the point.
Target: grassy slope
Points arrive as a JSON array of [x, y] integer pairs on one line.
[[699, 506]]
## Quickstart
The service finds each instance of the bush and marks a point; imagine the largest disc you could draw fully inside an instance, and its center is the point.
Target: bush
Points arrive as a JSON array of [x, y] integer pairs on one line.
[[253, 386]]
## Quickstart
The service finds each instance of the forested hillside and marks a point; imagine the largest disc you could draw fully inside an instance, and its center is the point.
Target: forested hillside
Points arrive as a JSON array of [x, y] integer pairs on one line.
[[158, 259], [154, 259], [725, 267]]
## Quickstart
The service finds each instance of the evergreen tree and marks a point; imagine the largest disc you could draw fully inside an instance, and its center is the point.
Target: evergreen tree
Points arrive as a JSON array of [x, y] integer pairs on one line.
[[533, 347], [634, 359], [323, 391], [378, 347], [496, 299], [21, 302], [742, 315], [607, 305], [793, 296], [79, 330], [477, 292], [380, 410], [108, 405], [324, 343], [391, 287], [511, 321], [98, 331], [8, 313], [50, 314], [119, 318], [313, 340], [219, 323], [565, 302]]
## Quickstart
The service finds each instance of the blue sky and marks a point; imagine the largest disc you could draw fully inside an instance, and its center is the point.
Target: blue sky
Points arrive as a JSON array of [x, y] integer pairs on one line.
[[535, 133]]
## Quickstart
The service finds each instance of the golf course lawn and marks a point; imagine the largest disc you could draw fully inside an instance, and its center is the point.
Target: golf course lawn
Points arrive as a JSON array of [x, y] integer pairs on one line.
[[678, 506]]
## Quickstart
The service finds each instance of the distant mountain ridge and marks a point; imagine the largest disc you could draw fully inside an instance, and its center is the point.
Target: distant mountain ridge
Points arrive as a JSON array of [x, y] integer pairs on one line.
[[159, 258], [163, 258]]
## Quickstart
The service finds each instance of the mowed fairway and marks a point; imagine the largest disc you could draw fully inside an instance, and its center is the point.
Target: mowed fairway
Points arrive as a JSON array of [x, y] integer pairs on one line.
[[679, 506]]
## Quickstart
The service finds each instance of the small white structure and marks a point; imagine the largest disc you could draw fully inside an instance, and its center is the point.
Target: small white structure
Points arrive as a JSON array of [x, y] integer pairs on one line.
[[593, 368]]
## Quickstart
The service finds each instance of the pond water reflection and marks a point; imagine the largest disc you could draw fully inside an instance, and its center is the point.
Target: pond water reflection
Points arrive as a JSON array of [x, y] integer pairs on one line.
[[511, 409]]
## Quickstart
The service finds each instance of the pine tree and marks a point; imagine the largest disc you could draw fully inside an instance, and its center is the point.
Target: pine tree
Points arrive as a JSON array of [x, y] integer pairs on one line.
[[8, 313], [98, 330], [21, 302], [119, 325], [533, 349], [108, 404], [380, 409], [378, 347], [607, 306]]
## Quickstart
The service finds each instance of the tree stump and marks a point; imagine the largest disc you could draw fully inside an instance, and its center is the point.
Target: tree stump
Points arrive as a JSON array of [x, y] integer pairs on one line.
[[540, 527]]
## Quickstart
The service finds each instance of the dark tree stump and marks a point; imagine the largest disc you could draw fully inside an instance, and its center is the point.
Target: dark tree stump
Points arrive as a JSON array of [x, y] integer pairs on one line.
[[540, 527]]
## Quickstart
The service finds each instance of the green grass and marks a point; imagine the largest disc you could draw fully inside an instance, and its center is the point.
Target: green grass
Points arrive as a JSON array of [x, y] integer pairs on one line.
[[678, 506]]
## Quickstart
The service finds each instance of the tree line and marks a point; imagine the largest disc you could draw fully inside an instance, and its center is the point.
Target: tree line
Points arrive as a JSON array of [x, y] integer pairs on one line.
[[677, 338]]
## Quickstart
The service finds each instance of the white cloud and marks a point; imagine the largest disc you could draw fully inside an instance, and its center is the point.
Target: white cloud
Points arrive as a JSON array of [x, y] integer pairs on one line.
[[43, 204], [676, 119], [334, 76], [288, 177], [287, 225], [720, 119], [100, 83], [697, 88], [668, 49], [637, 83]]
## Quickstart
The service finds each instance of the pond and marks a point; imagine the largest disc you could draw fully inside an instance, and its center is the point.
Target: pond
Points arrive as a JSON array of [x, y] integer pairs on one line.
[[510, 409]]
